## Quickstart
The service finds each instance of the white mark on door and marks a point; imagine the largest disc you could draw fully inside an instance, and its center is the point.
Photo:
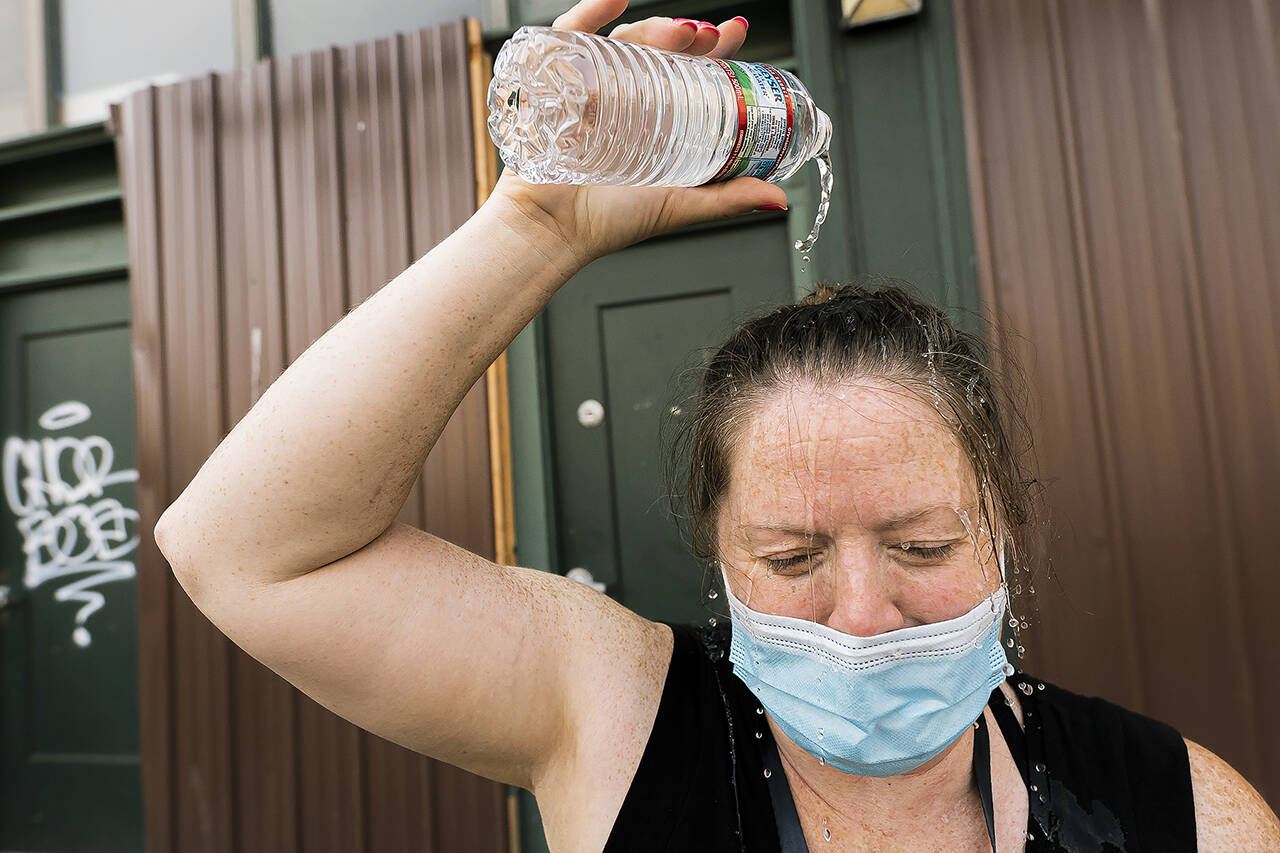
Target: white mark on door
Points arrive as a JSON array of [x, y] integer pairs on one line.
[[71, 534]]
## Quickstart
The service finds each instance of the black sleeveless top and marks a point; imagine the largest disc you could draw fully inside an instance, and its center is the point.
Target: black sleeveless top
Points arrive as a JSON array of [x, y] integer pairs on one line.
[[1105, 779]]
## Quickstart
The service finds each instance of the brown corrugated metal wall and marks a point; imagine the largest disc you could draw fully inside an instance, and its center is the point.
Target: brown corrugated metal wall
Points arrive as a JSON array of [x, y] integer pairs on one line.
[[1126, 195], [261, 205]]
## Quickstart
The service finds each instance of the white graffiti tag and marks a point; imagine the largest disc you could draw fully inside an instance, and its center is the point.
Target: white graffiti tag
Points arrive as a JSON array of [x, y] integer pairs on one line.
[[68, 528]]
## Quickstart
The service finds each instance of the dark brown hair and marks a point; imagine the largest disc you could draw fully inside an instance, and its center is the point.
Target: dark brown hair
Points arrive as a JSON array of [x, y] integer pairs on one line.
[[857, 332]]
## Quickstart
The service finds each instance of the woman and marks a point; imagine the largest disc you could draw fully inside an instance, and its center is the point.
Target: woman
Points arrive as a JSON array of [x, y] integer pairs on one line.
[[853, 483]]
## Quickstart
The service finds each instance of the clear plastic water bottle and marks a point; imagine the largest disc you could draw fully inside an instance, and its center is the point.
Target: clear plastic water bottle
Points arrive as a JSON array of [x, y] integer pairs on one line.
[[571, 108]]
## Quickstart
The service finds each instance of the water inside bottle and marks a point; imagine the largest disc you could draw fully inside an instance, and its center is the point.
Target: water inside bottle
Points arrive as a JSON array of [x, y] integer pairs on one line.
[[824, 201]]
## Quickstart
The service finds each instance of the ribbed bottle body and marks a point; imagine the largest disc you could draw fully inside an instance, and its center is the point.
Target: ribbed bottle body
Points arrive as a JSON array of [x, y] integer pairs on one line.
[[571, 108]]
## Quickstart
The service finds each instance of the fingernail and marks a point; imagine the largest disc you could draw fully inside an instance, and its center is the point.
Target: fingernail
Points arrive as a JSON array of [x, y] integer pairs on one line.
[[685, 22], [707, 25], [771, 207], [745, 25]]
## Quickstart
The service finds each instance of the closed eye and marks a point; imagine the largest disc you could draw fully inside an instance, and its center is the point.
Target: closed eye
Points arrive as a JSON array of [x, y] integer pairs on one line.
[[785, 565], [931, 552]]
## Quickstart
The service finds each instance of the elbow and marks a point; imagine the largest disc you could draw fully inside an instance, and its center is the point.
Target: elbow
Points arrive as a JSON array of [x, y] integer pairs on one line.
[[171, 538]]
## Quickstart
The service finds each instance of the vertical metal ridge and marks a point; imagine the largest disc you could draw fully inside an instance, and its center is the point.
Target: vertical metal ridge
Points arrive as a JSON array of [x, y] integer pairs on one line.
[[1206, 395], [1102, 421], [216, 225]]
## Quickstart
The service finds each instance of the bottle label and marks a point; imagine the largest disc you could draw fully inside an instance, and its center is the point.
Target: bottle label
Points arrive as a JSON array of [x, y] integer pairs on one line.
[[765, 115]]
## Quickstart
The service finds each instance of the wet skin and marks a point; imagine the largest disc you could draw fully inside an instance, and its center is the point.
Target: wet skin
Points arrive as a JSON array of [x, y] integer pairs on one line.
[[854, 506]]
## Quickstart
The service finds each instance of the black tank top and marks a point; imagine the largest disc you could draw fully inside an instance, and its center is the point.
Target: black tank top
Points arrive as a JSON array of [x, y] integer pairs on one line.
[[1106, 779]]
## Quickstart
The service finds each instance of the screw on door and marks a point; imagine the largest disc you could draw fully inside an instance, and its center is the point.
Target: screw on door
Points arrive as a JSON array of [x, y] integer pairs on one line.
[[590, 413]]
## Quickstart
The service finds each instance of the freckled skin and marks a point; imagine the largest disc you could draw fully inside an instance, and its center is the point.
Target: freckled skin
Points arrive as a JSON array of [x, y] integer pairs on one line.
[[841, 468], [840, 463], [836, 463]]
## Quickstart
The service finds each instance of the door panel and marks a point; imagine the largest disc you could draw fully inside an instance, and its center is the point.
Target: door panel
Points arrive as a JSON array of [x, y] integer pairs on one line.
[[644, 317], [69, 774]]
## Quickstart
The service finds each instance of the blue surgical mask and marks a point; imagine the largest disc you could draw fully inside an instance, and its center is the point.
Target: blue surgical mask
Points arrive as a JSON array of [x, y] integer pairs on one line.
[[871, 706]]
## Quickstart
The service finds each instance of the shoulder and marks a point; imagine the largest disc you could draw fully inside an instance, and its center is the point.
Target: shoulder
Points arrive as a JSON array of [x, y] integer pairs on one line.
[[1230, 814]]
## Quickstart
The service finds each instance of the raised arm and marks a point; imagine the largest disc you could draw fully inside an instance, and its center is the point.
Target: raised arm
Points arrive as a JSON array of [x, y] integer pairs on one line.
[[286, 538]]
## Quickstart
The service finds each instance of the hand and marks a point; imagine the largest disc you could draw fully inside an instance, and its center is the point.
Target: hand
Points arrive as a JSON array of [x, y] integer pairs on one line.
[[594, 221]]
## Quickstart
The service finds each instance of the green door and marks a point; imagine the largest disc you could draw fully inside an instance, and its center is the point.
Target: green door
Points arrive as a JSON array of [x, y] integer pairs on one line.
[[69, 772], [621, 338]]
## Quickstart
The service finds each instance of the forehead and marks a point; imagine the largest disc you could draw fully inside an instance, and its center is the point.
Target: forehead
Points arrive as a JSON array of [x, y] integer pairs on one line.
[[862, 452]]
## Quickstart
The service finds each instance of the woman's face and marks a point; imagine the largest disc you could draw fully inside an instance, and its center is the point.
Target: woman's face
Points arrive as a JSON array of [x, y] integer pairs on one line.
[[854, 506]]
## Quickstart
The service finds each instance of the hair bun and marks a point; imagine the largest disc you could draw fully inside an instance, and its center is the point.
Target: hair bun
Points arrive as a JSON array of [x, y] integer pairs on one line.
[[822, 293]]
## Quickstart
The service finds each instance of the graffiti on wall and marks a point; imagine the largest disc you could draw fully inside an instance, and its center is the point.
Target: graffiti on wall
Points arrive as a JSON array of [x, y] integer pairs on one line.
[[72, 536]]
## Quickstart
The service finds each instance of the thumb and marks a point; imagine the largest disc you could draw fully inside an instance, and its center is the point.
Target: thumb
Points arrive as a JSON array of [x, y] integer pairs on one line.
[[721, 201]]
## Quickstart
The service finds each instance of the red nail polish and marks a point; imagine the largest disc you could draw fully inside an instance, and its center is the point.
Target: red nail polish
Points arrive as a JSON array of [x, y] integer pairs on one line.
[[685, 22], [745, 25], [771, 207], [706, 25]]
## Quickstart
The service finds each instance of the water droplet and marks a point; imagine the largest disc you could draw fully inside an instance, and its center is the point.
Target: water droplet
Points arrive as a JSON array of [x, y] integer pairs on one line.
[[1025, 688], [1030, 837], [1009, 642], [819, 734], [1040, 686], [826, 834], [1035, 788], [759, 735], [822, 760], [1013, 622], [712, 621], [1023, 624], [1008, 701], [824, 821], [1031, 589], [767, 773], [759, 710], [1007, 669], [1043, 798], [713, 594], [1039, 766], [1022, 652], [677, 411]]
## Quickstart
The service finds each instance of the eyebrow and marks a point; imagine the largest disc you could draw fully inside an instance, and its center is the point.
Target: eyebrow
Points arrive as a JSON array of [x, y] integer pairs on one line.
[[894, 523], [908, 518]]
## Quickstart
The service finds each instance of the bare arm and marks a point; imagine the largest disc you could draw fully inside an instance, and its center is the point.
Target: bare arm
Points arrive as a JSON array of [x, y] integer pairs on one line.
[[286, 538], [323, 463], [1230, 814]]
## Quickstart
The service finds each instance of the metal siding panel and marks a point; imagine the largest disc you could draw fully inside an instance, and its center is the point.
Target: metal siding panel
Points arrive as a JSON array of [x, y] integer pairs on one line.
[[204, 819], [1122, 193], [293, 190], [1230, 291], [137, 123], [263, 747], [313, 206]]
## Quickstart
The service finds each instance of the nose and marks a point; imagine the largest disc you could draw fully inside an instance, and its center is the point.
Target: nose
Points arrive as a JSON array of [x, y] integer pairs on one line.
[[863, 601]]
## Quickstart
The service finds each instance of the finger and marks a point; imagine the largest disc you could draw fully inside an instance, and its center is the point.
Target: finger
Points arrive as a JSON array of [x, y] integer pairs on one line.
[[705, 40], [665, 33], [720, 201], [587, 16], [733, 33]]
